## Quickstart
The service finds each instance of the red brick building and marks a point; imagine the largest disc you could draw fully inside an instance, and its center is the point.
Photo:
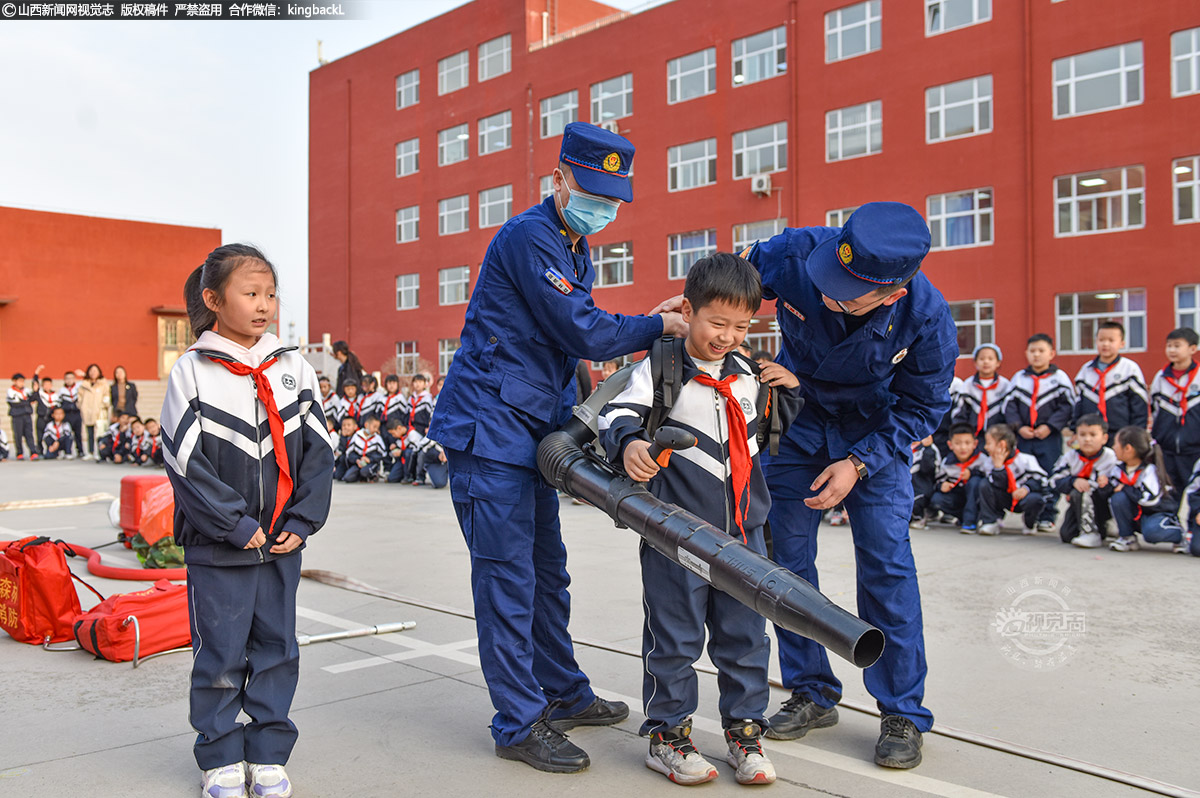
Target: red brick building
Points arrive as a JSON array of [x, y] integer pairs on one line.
[[1054, 147], [76, 290]]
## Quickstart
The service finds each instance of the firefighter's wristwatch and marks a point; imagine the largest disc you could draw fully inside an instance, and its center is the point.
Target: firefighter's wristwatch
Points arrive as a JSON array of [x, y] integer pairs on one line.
[[859, 466]]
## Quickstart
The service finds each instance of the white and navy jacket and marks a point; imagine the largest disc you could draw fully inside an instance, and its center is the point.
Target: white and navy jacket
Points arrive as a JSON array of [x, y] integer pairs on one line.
[[333, 408], [68, 399], [46, 403], [373, 404], [364, 444], [118, 438], [1149, 491], [60, 434], [1055, 398], [151, 447], [1125, 398], [1025, 471], [355, 408], [1174, 431], [391, 406], [924, 460], [20, 401], [219, 454], [968, 402], [698, 479], [952, 470], [420, 411], [1074, 462]]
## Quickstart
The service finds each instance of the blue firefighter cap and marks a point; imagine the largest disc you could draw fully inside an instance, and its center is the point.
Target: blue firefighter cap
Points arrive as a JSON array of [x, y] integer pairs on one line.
[[599, 159], [881, 244]]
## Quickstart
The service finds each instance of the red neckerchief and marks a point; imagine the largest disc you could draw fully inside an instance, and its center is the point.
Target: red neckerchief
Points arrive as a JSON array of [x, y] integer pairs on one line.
[[354, 407], [1100, 375], [1037, 378], [983, 402], [739, 446], [72, 392], [964, 468], [387, 405], [56, 428], [21, 393], [1167, 371], [1132, 483], [1088, 464], [1012, 480], [412, 411], [263, 387], [48, 398]]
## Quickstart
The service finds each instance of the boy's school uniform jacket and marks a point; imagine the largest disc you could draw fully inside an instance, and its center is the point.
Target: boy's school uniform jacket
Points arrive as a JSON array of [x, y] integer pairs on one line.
[[954, 471], [1149, 491], [363, 444], [68, 399], [355, 408], [151, 446], [699, 479], [220, 453], [924, 460], [1175, 410], [333, 408], [60, 434], [1116, 391], [392, 406], [1020, 471], [980, 403], [373, 404], [1035, 399], [20, 401], [1075, 464], [420, 411], [46, 402]]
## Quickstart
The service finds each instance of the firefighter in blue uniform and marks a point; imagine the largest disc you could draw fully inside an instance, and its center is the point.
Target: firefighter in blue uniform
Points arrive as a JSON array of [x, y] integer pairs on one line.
[[530, 318], [873, 344]]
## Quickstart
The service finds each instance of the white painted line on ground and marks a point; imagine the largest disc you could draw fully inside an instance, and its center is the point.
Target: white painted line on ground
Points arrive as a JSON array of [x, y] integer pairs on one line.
[[38, 504], [808, 753]]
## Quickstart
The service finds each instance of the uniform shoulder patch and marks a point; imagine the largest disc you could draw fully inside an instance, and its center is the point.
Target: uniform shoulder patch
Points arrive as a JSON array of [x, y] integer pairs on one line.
[[899, 356], [793, 311], [558, 281]]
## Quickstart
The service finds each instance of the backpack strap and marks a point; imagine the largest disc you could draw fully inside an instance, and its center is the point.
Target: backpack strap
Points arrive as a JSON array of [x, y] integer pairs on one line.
[[770, 425], [666, 373]]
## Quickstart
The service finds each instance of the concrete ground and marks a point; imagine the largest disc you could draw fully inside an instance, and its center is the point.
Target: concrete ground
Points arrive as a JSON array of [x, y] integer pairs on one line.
[[408, 713]]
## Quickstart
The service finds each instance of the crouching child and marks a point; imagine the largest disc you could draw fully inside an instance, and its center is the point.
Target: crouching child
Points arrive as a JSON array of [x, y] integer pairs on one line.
[[1082, 475], [960, 476], [1016, 483]]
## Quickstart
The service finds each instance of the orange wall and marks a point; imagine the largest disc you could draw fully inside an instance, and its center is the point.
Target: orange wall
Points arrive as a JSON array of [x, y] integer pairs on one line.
[[83, 289]]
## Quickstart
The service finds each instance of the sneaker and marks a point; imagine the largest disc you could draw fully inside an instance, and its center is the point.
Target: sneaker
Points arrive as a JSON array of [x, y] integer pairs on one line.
[[1124, 544], [267, 781], [968, 529], [1045, 526], [918, 523], [598, 713], [838, 518], [546, 748], [746, 754], [224, 782], [1029, 530], [899, 743], [950, 520], [20, 457], [990, 529], [1088, 540], [673, 755], [1184, 546], [35, 456], [417, 482], [798, 715]]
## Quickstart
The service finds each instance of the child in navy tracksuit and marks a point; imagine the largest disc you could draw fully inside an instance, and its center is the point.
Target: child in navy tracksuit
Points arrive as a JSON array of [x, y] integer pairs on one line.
[[1040, 403], [68, 399], [252, 483], [979, 401], [1016, 483], [1143, 499], [419, 414], [331, 403], [960, 476], [1083, 476], [1175, 406], [57, 438], [721, 295], [364, 453], [20, 410], [1110, 385], [393, 405], [47, 400], [924, 466]]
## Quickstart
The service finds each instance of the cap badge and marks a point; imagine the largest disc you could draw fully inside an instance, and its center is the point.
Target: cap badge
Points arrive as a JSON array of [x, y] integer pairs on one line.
[[845, 254], [612, 162]]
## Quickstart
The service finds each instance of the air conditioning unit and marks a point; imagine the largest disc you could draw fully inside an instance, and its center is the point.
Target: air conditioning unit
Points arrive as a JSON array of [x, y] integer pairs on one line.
[[761, 185], [612, 127]]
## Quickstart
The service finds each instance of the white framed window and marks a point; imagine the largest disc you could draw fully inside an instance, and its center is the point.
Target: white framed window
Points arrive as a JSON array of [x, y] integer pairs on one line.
[[613, 264], [408, 224], [684, 249], [1078, 316], [960, 219], [691, 76], [1185, 173], [495, 206], [746, 234], [838, 217], [1100, 80], [1185, 62], [1098, 202], [764, 335], [692, 165], [453, 215], [407, 358], [495, 132], [454, 72], [760, 151], [976, 323], [408, 291], [452, 144], [495, 58], [408, 89], [944, 15], [545, 186], [558, 112], [854, 131], [962, 108], [853, 30], [1187, 306], [446, 349], [759, 57], [612, 99], [453, 285], [408, 155]]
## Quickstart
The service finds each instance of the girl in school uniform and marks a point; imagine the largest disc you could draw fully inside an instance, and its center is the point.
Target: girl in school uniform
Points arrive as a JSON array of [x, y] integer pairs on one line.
[[248, 455], [1143, 499]]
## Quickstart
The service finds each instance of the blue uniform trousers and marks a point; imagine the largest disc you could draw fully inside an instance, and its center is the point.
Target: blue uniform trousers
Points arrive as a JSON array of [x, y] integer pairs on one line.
[[679, 606], [962, 501], [245, 657], [1046, 452], [1156, 527], [509, 518], [888, 595]]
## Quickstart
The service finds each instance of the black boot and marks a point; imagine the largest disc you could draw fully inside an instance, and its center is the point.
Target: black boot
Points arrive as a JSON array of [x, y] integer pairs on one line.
[[598, 713], [798, 715], [899, 743], [546, 748]]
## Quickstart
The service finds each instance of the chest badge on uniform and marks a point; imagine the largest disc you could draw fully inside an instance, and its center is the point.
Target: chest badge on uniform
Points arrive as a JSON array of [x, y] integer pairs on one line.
[[747, 408], [558, 281], [288, 381], [899, 356], [793, 311]]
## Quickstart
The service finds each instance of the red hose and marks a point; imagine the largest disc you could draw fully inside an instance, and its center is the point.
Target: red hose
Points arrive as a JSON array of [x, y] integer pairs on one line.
[[97, 568]]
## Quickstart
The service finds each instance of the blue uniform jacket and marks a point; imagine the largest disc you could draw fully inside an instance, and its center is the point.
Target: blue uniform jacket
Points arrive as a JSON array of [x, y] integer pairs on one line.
[[530, 318], [871, 393]]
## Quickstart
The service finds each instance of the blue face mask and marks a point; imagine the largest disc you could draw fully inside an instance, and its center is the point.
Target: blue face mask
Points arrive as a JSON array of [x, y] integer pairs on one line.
[[588, 214]]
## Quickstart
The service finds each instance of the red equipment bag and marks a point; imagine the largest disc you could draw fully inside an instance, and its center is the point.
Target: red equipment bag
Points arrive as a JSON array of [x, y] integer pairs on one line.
[[128, 626], [38, 602]]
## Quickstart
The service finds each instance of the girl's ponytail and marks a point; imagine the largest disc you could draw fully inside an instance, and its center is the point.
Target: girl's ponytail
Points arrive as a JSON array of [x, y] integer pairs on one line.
[[1146, 449], [200, 316], [213, 274]]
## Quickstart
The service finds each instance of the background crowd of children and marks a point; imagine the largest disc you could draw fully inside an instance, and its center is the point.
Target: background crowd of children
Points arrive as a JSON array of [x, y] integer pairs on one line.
[[1124, 454]]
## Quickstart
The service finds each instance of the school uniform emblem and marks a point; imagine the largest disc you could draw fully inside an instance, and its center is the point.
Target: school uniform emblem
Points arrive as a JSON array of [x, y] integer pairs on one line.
[[612, 162], [899, 356], [747, 408], [558, 281], [793, 311], [288, 381]]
